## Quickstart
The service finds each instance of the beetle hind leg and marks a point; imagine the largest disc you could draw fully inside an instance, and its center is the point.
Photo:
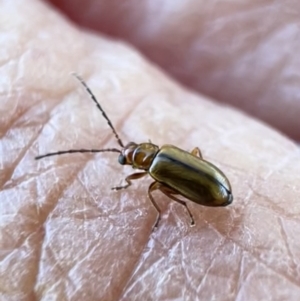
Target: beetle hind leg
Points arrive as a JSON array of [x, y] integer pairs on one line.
[[129, 178], [196, 152], [169, 192], [154, 186]]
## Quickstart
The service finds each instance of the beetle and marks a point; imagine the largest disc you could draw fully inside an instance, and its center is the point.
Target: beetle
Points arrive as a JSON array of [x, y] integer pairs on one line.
[[175, 171]]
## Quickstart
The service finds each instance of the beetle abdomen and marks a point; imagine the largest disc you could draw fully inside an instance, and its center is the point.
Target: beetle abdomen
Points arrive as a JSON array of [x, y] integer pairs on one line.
[[194, 178]]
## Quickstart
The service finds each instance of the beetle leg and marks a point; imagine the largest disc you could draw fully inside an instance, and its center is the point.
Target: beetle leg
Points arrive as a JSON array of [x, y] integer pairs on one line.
[[169, 192], [154, 186], [129, 178], [196, 152]]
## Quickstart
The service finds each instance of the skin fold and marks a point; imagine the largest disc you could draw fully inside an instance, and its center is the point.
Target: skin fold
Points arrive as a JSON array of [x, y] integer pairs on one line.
[[66, 236]]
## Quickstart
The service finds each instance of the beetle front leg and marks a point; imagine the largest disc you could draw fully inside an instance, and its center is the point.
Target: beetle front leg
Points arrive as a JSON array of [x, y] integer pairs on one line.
[[129, 178], [196, 152], [169, 192]]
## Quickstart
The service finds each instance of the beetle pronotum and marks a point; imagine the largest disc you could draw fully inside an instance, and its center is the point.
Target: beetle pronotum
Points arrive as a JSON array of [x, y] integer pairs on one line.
[[175, 171]]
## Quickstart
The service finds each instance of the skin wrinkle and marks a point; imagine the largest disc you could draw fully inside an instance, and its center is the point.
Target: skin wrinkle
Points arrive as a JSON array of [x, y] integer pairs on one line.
[[74, 291], [18, 117], [24, 242], [184, 268], [206, 272], [109, 216], [243, 283], [90, 251], [240, 275], [139, 263], [129, 286], [43, 223], [261, 261], [285, 239], [167, 249], [21, 241], [16, 247], [130, 277], [221, 244], [210, 225], [84, 199], [24, 150], [289, 158], [284, 160], [36, 265], [92, 156], [19, 158], [39, 294], [286, 276], [9, 127], [275, 208], [136, 266], [57, 264]]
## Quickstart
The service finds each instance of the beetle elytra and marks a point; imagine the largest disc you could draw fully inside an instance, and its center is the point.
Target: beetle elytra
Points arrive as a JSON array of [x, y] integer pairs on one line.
[[175, 171]]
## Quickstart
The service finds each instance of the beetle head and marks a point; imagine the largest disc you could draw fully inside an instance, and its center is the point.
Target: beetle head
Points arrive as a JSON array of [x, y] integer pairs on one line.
[[138, 155]]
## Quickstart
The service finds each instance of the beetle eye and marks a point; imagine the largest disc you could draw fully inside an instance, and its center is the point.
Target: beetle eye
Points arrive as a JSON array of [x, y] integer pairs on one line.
[[122, 159]]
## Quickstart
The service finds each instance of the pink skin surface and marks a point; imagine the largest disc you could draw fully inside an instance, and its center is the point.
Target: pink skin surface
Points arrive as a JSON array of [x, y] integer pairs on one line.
[[245, 53], [66, 236]]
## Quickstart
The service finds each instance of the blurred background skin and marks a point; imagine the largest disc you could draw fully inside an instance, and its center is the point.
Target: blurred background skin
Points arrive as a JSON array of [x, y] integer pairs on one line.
[[243, 53], [61, 225]]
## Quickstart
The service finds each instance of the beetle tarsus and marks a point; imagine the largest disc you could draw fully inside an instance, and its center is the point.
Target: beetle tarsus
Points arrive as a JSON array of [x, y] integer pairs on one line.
[[156, 222]]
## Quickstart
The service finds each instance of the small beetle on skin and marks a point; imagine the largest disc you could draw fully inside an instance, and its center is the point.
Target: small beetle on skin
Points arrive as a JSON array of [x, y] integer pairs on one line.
[[175, 171]]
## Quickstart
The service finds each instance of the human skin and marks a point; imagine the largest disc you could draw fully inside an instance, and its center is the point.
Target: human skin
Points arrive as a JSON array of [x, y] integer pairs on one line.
[[66, 236], [245, 53]]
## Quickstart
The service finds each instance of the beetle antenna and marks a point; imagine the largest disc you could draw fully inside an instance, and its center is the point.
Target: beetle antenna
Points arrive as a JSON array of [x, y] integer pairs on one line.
[[99, 107], [72, 151]]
